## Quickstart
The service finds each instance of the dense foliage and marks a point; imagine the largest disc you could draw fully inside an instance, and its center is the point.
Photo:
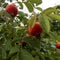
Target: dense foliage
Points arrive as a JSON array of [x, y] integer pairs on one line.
[[24, 37]]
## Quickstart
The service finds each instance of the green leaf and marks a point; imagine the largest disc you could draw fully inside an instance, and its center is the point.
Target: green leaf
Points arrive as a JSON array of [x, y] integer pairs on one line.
[[4, 5], [44, 21], [2, 1], [21, 5], [57, 54], [53, 35], [31, 21], [16, 58], [33, 42], [49, 10], [29, 6], [38, 8], [24, 20], [25, 55], [58, 37], [37, 2], [41, 56], [8, 45], [13, 50], [3, 53], [54, 16], [37, 58]]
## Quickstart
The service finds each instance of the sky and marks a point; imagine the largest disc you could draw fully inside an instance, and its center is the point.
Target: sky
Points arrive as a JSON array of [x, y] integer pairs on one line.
[[45, 4], [49, 3]]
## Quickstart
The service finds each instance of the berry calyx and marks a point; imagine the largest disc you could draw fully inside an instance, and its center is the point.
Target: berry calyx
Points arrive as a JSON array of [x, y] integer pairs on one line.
[[24, 43]]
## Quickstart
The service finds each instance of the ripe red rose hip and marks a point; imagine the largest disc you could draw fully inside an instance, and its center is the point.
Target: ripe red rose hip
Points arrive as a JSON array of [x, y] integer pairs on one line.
[[58, 45], [12, 10], [36, 29]]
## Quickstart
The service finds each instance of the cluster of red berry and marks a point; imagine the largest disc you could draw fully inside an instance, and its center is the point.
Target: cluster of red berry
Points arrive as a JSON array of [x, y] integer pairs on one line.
[[35, 30]]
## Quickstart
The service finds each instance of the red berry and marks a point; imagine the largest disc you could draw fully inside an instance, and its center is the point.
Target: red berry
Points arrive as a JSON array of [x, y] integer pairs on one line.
[[58, 45], [36, 29], [12, 10]]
